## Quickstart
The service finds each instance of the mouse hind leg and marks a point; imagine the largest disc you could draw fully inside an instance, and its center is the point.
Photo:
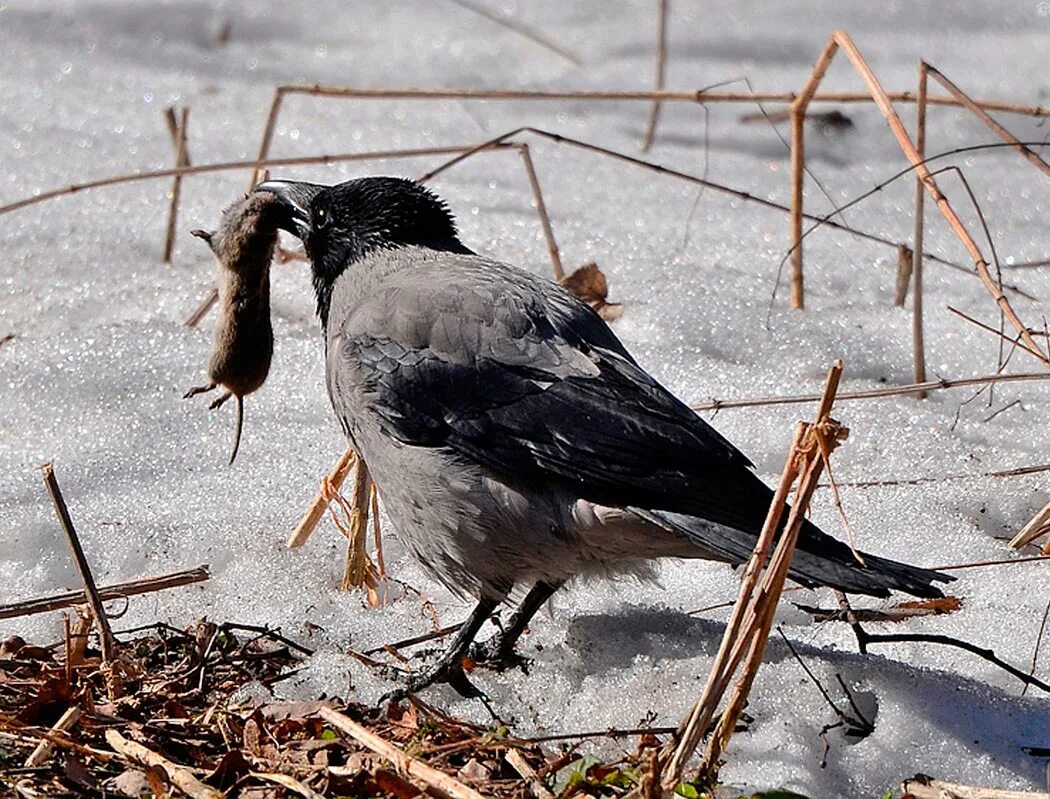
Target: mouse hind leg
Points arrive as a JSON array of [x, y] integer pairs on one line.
[[218, 402], [193, 392]]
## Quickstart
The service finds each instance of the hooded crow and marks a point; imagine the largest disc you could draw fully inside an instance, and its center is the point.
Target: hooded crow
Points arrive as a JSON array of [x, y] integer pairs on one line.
[[515, 442]]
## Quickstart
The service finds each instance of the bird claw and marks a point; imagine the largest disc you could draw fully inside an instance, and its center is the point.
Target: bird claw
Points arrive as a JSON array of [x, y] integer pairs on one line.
[[441, 672], [494, 655]]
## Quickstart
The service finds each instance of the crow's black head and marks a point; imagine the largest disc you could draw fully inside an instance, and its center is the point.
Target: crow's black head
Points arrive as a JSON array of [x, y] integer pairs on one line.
[[341, 224]]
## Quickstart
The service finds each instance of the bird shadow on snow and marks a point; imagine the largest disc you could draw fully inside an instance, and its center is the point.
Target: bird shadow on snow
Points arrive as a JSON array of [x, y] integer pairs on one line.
[[914, 702]]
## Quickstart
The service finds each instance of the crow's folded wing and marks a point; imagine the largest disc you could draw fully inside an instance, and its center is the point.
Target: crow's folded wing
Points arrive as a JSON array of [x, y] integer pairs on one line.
[[516, 374]]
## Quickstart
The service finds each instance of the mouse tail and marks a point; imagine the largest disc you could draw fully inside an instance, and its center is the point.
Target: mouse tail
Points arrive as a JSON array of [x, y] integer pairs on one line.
[[237, 430]]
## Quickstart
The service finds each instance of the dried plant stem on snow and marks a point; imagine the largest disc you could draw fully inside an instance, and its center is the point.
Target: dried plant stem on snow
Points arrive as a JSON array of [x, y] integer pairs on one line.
[[1038, 526], [178, 133], [761, 585], [874, 393], [356, 558], [660, 69], [922, 787], [918, 342], [405, 763], [144, 585], [332, 482], [699, 97], [106, 639], [521, 29], [841, 40], [179, 776]]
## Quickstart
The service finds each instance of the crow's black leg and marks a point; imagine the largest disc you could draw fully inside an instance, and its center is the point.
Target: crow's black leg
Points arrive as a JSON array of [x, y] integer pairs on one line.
[[498, 651], [449, 667]]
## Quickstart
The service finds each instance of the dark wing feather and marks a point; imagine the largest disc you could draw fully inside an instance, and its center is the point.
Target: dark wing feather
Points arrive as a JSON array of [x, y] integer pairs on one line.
[[520, 376]]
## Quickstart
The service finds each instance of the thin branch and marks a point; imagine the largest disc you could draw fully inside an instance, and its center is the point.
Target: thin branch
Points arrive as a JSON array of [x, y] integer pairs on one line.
[[106, 639], [141, 586]]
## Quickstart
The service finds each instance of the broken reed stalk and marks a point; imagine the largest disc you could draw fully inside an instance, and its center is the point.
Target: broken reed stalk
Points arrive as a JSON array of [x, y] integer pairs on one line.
[[1038, 526], [179, 776], [405, 764], [178, 132], [144, 585], [330, 483], [106, 638], [918, 343], [841, 40], [355, 568], [660, 69], [761, 586], [922, 787]]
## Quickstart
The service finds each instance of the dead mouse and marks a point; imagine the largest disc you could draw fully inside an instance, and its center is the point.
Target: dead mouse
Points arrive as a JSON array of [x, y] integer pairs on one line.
[[243, 344]]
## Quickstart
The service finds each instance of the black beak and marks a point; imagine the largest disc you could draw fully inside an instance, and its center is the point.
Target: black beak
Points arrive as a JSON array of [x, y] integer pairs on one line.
[[297, 198]]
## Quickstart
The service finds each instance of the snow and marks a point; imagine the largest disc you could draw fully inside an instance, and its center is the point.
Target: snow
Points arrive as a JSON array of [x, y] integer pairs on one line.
[[94, 376]]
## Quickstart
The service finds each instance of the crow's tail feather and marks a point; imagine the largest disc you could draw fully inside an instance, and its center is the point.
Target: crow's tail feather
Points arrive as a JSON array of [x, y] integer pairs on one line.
[[819, 559]]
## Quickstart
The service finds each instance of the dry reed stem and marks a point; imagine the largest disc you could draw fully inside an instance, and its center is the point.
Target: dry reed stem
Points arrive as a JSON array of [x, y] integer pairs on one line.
[[874, 393], [179, 776], [541, 209], [756, 603], [660, 69], [332, 482], [884, 105], [917, 333], [965, 101], [821, 437], [355, 569], [799, 107], [744, 196], [228, 166], [43, 749], [144, 585], [922, 787], [522, 30], [181, 159], [534, 185], [904, 271], [405, 763], [1013, 341], [1038, 526], [106, 638], [841, 39]]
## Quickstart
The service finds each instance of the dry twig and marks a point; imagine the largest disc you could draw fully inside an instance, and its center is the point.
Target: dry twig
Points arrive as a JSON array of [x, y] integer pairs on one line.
[[107, 641], [180, 776], [405, 763], [144, 585]]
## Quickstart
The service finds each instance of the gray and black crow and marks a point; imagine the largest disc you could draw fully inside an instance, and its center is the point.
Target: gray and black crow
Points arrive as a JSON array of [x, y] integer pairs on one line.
[[515, 442]]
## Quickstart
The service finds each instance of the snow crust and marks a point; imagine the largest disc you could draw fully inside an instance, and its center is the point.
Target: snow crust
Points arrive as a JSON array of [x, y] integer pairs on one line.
[[94, 376]]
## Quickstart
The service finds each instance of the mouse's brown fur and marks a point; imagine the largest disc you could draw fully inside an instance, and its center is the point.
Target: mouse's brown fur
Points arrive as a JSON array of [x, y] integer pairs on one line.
[[243, 345]]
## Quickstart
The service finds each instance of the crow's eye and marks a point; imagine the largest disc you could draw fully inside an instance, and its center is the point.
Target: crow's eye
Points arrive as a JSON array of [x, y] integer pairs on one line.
[[320, 218]]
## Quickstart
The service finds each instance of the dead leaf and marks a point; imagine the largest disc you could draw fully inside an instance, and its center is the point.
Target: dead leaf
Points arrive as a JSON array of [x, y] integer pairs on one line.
[[158, 780], [231, 767], [936, 606], [589, 284]]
